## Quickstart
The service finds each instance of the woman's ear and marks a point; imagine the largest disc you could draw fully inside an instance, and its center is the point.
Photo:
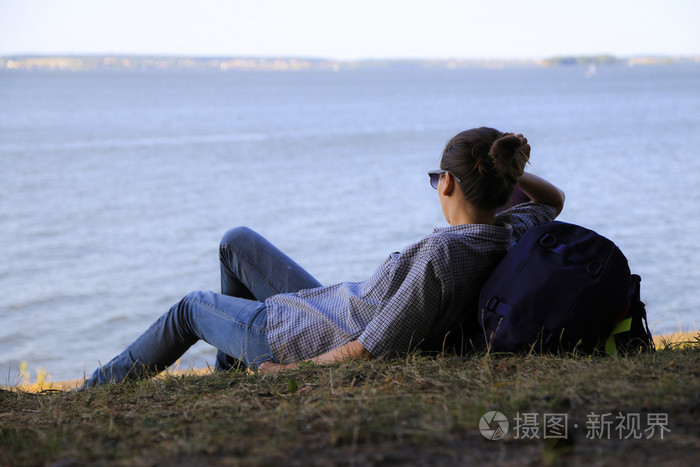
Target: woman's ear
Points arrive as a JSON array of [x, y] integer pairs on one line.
[[448, 184]]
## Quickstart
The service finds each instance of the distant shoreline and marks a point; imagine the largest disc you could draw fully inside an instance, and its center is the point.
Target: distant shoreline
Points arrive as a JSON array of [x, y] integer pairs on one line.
[[145, 62]]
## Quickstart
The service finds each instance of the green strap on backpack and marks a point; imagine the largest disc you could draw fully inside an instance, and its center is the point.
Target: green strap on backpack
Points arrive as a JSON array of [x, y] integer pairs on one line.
[[623, 326]]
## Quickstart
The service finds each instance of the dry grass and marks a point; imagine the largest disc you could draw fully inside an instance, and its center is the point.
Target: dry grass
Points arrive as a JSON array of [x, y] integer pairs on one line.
[[43, 383], [678, 339], [419, 410]]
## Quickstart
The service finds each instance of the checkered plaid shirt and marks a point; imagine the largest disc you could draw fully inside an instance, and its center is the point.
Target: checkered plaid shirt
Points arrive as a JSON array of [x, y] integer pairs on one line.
[[415, 297]]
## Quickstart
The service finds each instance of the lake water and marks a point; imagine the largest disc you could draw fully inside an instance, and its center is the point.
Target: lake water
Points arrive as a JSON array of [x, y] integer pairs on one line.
[[117, 186]]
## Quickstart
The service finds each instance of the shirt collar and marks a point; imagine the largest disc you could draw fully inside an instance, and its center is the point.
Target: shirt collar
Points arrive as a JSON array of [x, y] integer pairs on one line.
[[499, 231]]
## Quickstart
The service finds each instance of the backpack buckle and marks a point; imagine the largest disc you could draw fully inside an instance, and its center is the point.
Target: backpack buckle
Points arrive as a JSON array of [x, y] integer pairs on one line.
[[492, 304], [548, 241], [594, 268]]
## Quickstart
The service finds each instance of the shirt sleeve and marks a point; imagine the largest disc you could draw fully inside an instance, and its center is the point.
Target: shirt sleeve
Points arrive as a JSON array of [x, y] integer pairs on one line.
[[407, 312], [526, 216]]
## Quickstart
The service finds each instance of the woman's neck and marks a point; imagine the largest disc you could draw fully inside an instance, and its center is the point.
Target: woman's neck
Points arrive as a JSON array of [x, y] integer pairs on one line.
[[476, 218], [466, 213]]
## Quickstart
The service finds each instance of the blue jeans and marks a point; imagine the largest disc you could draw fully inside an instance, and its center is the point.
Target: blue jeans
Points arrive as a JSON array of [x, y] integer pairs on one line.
[[252, 269]]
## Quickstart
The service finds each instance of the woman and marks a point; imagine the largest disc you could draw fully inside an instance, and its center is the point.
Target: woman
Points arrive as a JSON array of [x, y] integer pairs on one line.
[[272, 314]]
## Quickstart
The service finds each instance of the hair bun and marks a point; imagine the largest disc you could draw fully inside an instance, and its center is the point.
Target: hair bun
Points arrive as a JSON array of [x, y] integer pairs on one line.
[[509, 154]]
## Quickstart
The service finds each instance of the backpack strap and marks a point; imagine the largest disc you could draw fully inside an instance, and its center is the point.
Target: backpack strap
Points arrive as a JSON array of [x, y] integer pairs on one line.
[[648, 339]]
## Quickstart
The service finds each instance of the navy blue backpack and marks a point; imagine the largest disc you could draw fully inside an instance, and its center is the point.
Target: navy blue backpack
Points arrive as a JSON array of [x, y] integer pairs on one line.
[[562, 288]]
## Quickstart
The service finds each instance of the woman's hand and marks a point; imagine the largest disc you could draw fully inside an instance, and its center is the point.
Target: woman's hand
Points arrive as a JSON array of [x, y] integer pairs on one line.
[[351, 351], [524, 146]]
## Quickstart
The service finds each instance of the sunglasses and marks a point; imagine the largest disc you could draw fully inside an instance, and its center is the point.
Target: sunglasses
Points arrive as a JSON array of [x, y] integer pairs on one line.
[[435, 177]]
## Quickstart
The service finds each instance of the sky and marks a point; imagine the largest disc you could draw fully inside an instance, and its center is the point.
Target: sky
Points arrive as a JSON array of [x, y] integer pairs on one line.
[[349, 30]]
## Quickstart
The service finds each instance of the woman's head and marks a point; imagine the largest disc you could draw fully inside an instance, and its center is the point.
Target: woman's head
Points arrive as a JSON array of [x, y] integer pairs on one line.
[[487, 162]]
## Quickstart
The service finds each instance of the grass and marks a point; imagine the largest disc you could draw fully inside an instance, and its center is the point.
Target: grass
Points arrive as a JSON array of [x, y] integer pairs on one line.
[[422, 410]]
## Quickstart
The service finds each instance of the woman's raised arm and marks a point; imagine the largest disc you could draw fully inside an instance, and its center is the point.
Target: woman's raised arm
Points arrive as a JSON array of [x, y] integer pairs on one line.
[[540, 190]]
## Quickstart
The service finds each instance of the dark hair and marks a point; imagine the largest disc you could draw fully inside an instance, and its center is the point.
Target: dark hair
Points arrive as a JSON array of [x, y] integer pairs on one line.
[[488, 162]]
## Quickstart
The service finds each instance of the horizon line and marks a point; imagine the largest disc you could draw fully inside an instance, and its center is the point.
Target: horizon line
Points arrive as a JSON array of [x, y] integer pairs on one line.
[[225, 63], [356, 59]]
